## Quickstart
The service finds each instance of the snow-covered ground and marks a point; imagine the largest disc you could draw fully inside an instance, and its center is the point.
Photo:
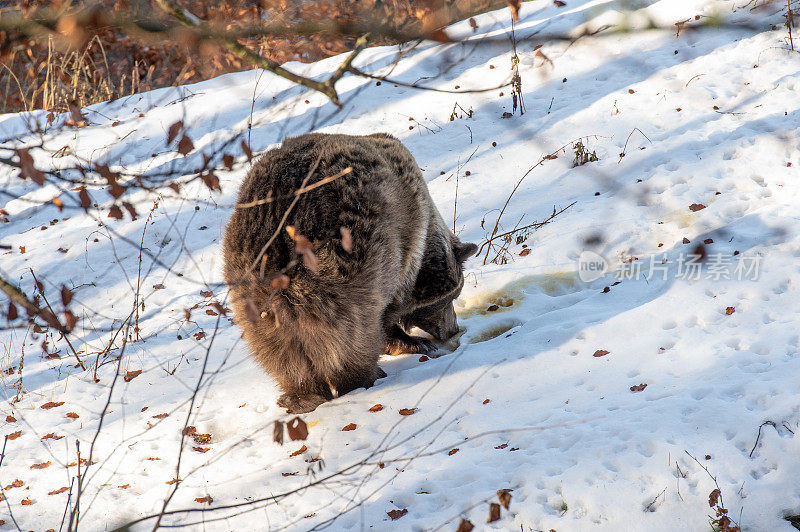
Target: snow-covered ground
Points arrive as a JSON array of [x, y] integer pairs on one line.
[[528, 400]]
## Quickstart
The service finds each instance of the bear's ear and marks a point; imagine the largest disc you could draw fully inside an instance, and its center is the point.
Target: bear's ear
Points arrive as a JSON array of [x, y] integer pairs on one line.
[[464, 250]]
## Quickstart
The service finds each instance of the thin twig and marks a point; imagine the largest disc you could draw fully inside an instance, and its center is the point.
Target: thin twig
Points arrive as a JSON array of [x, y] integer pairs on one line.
[[772, 423], [298, 192], [529, 226], [64, 332]]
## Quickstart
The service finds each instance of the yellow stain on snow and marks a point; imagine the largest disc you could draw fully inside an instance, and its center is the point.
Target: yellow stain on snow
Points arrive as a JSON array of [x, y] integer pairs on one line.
[[492, 332], [510, 296]]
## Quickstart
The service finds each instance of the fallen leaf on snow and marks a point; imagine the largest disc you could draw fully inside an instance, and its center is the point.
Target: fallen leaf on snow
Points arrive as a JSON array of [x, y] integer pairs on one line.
[[397, 514], [713, 497], [465, 526], [130, 375], [50, 404], [505, 497], [407, 411], [349, 427], [16, 484], [297, 429], [299, 451], [494, 512]]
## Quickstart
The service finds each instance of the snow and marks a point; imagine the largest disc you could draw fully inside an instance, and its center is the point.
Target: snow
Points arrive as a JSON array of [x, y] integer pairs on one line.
[[706, 117]]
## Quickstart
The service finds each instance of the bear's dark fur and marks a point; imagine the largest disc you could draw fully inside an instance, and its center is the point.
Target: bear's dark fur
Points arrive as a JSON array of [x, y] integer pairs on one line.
[[383, 260]]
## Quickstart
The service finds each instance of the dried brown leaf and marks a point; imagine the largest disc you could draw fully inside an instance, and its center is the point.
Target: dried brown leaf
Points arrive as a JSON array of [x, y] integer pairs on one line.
[[130, 375], [131, 209], [115, 212], [66, 295], [173, 131], [16, 484], [494, 512], [247, 151], [297, 429], [211, 180], [185, 145], [397, 514], [465, 526], [713, 498], [299, 451], [27, 169], [505, 497], [86, 201], [281, 282]]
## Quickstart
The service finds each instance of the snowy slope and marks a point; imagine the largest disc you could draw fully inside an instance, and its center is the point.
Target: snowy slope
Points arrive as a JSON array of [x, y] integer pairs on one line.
[[527, 398]]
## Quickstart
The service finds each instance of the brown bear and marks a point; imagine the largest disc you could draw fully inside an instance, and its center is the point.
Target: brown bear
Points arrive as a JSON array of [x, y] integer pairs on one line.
[[334, 248]]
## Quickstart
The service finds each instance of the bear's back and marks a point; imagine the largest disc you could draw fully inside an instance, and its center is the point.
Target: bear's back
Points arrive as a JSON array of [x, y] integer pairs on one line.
[[381, 202]]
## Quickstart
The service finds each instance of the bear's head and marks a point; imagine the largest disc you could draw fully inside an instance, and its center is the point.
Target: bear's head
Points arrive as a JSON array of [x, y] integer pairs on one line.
[[439, 283]]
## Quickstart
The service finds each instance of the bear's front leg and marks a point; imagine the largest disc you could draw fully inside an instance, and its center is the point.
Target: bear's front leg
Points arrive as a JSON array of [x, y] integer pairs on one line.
[[398, 342], [300, 403]]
